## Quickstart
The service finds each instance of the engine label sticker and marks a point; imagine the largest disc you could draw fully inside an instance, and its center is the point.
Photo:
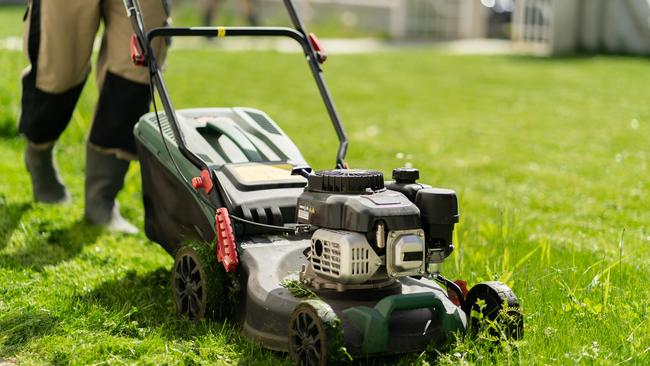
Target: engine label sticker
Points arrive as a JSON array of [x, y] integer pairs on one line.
[[303, 212]]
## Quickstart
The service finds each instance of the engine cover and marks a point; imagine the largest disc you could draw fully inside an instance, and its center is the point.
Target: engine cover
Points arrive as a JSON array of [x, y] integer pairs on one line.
[[342, 256], [355, 201]]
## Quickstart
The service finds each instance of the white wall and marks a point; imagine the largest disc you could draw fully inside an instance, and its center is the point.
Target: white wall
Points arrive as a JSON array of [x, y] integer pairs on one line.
[[613, 26]]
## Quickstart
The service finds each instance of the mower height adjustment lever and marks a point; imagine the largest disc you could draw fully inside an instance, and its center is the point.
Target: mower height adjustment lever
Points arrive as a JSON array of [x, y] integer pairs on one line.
[[226, 244]]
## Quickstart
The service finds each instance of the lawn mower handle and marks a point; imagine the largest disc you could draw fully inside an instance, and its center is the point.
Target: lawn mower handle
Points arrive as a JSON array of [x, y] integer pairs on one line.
[[299, 34], [137, 22]]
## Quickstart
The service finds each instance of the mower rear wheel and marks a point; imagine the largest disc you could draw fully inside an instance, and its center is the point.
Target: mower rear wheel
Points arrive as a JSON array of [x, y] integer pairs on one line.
[[314, 334], [197, 283], [498, 312]]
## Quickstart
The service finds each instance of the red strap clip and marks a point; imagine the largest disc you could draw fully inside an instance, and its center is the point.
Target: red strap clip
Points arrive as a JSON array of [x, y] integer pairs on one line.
[[137, 56], [226, 245], [204, 181], [320, 51]]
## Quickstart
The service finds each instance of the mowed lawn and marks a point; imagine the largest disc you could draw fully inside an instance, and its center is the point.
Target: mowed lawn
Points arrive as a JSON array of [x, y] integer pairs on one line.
[[549, 158]]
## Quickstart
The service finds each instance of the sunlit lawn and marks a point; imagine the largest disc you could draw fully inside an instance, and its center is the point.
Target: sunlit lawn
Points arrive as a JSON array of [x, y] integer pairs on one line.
[[549, 157]]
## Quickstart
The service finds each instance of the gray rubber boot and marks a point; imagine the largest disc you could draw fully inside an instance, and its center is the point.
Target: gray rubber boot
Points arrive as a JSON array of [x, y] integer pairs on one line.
[[46, 182], [104, 179]]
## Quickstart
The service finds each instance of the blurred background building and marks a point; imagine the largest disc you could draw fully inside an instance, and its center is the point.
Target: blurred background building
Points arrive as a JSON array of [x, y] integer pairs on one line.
[[567, 26], [433, 20], [545, 27]]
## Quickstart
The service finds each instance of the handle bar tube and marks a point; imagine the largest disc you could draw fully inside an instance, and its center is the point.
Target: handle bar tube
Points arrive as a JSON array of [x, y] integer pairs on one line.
[[299, 35]]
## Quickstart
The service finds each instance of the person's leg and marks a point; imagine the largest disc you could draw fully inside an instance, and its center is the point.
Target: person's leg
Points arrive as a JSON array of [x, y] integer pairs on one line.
[[209, 8], [47, 185], [250, 7], [124, 96], [58, 39]]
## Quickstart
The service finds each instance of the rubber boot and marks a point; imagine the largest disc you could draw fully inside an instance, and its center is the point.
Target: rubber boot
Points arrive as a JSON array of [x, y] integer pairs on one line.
[[104, 179], [46, 182]]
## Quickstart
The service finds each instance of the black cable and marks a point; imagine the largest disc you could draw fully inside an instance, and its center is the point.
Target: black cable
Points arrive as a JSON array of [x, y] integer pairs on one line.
[[164, 140], [162, 135], [288, 229]]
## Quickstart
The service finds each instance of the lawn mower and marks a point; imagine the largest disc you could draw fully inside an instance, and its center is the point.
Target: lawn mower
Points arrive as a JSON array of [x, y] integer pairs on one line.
[[325, 265]]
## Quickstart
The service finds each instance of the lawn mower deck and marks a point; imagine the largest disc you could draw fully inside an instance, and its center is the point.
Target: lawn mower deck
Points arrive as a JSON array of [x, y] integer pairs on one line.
[[270, 307], [326, 265]]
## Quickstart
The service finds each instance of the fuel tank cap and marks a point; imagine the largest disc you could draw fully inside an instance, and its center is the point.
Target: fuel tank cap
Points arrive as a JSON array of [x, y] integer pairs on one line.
[[406, 175]]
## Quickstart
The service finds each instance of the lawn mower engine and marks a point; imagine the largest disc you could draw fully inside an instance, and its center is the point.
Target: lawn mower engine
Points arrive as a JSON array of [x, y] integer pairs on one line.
[[369, 236]]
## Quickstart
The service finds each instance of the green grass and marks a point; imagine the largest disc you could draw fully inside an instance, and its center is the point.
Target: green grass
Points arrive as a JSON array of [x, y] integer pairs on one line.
[[549, 157], [11, 20]]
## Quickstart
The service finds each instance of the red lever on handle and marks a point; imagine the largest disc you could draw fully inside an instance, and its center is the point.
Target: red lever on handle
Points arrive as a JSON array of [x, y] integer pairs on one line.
[[320, 51], [137, 56]]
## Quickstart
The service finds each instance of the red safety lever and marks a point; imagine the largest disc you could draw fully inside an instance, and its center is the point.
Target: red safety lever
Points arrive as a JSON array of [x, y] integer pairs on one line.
[[137, 56], [320, 51]]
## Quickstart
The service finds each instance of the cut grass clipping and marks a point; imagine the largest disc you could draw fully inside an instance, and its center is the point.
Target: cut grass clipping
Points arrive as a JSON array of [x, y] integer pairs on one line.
[[549, 158]]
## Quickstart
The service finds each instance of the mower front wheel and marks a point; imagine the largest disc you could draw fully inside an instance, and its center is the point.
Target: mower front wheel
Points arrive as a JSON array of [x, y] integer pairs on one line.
[[315, 334], [197, 282], [493, 306]]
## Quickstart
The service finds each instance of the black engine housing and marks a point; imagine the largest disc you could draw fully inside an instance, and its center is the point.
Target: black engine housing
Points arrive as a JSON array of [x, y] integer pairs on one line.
[[438, 208], [354, 200]]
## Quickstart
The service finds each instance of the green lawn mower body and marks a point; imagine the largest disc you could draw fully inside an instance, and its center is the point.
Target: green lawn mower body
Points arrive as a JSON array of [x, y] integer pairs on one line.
[[397, 316], [237, 143], [326, 265]]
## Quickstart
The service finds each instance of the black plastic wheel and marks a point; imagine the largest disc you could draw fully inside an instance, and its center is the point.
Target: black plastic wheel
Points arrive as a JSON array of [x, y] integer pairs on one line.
[[314, 334], [198, 282], [501, 309]]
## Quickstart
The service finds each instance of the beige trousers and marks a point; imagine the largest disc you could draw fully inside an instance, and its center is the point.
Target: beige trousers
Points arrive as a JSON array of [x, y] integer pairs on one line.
[[58, 39], [67, 34]]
